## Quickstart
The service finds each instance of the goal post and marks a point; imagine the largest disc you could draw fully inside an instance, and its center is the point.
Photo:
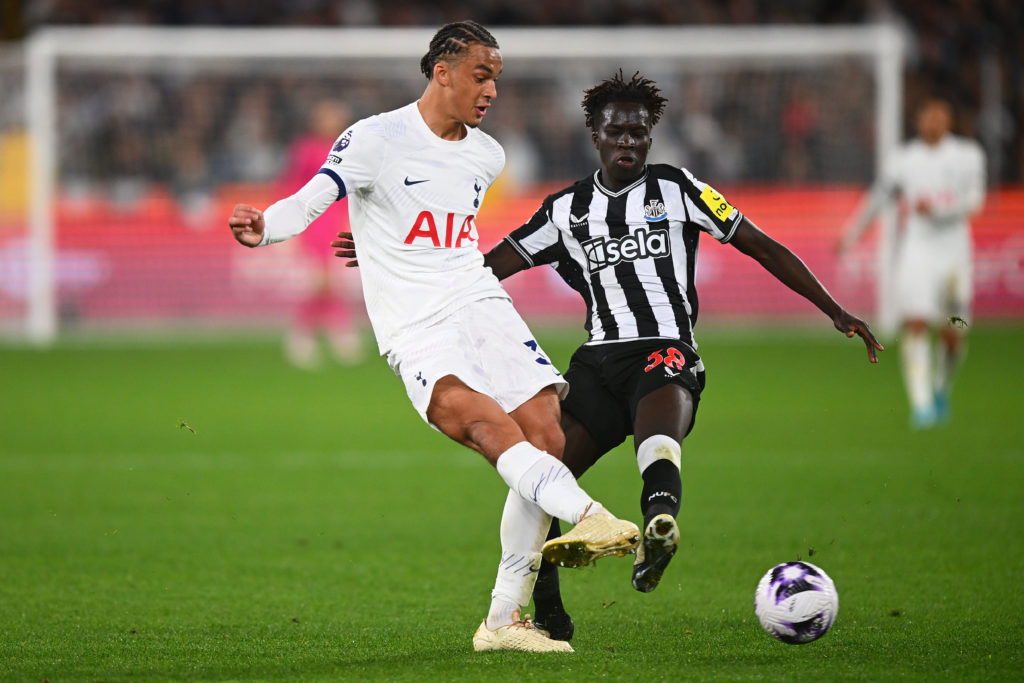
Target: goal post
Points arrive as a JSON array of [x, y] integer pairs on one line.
[[384, 63]]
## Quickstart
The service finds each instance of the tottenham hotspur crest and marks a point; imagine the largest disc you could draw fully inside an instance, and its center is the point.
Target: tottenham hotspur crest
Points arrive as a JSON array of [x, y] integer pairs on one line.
[[655, 211]]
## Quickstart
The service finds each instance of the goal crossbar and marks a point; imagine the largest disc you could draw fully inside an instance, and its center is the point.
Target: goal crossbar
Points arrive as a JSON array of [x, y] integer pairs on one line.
[[880, 44]]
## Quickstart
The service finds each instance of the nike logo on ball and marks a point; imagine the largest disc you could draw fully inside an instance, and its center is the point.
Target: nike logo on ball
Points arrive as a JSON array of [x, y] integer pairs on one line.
[[414, 182]]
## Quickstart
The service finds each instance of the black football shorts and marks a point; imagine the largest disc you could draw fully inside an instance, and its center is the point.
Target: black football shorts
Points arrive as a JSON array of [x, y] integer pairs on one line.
[[607, 381]]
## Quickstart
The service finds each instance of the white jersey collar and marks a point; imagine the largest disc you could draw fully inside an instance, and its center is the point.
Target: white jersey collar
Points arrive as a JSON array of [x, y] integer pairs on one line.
[[624, 190], [425, 129]]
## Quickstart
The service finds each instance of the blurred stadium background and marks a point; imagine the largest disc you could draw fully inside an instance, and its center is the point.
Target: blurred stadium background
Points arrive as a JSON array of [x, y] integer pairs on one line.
[[148, 153]]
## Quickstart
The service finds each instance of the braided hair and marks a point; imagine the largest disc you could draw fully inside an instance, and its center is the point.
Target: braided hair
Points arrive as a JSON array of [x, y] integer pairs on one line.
[[617, 89], [452, 40]]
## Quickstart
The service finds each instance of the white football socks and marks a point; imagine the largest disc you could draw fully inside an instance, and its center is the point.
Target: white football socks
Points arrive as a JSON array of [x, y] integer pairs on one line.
[[502, 613], [916, 352], [543, 479], [523, 529], [658, 447], [540, 487]]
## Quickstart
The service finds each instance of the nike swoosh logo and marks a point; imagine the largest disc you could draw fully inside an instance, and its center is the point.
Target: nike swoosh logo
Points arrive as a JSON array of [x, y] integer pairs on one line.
[[414, 182]]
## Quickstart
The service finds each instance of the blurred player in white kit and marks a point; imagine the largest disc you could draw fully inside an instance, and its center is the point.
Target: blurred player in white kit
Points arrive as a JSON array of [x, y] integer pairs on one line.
[[939, 179], [415, 178]]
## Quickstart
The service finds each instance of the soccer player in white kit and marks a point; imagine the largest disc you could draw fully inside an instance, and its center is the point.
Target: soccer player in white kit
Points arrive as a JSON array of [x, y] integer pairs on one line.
[[939, 178], [415, 178]]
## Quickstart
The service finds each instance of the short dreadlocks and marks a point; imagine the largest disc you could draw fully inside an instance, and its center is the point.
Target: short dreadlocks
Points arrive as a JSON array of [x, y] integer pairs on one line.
[[454, 39], [617, 89]]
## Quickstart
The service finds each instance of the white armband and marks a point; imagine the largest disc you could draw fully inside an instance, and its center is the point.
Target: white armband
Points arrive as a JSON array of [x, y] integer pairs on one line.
[[288, 217]]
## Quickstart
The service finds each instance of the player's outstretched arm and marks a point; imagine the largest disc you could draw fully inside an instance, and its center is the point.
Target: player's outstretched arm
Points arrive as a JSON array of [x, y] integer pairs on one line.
[[287, 217], [247, 225], [792, 272], [873, 202], [503, 260]]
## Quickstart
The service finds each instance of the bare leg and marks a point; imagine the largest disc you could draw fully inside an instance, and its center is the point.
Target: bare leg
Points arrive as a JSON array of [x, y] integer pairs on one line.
[[473, 419], [540, 484], [538, 418], [662, 419]]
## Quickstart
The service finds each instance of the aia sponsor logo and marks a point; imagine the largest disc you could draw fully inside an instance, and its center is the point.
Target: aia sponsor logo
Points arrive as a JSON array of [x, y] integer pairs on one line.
[[445, 231], [603, 252]]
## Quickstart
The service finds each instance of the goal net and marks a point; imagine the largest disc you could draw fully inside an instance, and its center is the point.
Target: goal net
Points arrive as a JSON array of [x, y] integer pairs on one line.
[[142, 140]]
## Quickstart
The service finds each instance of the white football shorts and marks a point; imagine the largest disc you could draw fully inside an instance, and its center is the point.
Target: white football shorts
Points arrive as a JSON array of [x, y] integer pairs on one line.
[[487, 346], [933, 279]]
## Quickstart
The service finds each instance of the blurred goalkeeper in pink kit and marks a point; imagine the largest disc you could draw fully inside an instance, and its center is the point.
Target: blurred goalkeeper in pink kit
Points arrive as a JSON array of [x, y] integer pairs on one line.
[[326, 306]]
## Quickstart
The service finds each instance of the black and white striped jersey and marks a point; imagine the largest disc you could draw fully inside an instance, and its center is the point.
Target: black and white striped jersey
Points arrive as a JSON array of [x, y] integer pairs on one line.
[[631, 254]]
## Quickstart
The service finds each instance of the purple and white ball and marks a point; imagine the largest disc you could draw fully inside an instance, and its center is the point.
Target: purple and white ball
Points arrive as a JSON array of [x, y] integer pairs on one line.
[[796, 602]]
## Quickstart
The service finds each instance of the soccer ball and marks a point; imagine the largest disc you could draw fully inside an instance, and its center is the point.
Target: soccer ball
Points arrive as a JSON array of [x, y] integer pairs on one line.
[[796, 602]]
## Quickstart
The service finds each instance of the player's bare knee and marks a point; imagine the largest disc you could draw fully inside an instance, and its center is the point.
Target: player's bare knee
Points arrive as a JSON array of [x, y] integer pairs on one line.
[[445, 419], [548, 437], [539, 418], [454, 404], [492, 437], [668, 411]]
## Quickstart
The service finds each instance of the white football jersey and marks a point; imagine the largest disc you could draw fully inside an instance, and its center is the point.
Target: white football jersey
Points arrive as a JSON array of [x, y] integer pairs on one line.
[[949, 174], [413, 200]]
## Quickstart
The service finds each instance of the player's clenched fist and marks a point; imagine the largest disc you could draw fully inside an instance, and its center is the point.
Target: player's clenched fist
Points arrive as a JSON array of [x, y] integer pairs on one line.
[[247, 224]]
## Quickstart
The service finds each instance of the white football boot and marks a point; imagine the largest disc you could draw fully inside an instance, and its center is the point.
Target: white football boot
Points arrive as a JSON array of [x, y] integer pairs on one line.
[[598, 535], [523, 636]]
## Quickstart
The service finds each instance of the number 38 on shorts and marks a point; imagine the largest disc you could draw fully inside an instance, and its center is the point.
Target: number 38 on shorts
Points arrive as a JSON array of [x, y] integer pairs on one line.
[[671, 357]]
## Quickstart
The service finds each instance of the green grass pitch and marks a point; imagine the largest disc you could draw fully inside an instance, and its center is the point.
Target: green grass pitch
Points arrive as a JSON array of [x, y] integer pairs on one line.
[[312, 528]]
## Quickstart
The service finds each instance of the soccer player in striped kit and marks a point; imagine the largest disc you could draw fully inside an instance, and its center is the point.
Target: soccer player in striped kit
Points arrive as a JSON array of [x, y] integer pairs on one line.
[[415, 178], [625, 237], [939, 179]]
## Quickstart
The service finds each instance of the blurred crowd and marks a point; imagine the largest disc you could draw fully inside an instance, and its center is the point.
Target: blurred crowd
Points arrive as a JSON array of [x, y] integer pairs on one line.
[[192, 132], [197, 132]]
